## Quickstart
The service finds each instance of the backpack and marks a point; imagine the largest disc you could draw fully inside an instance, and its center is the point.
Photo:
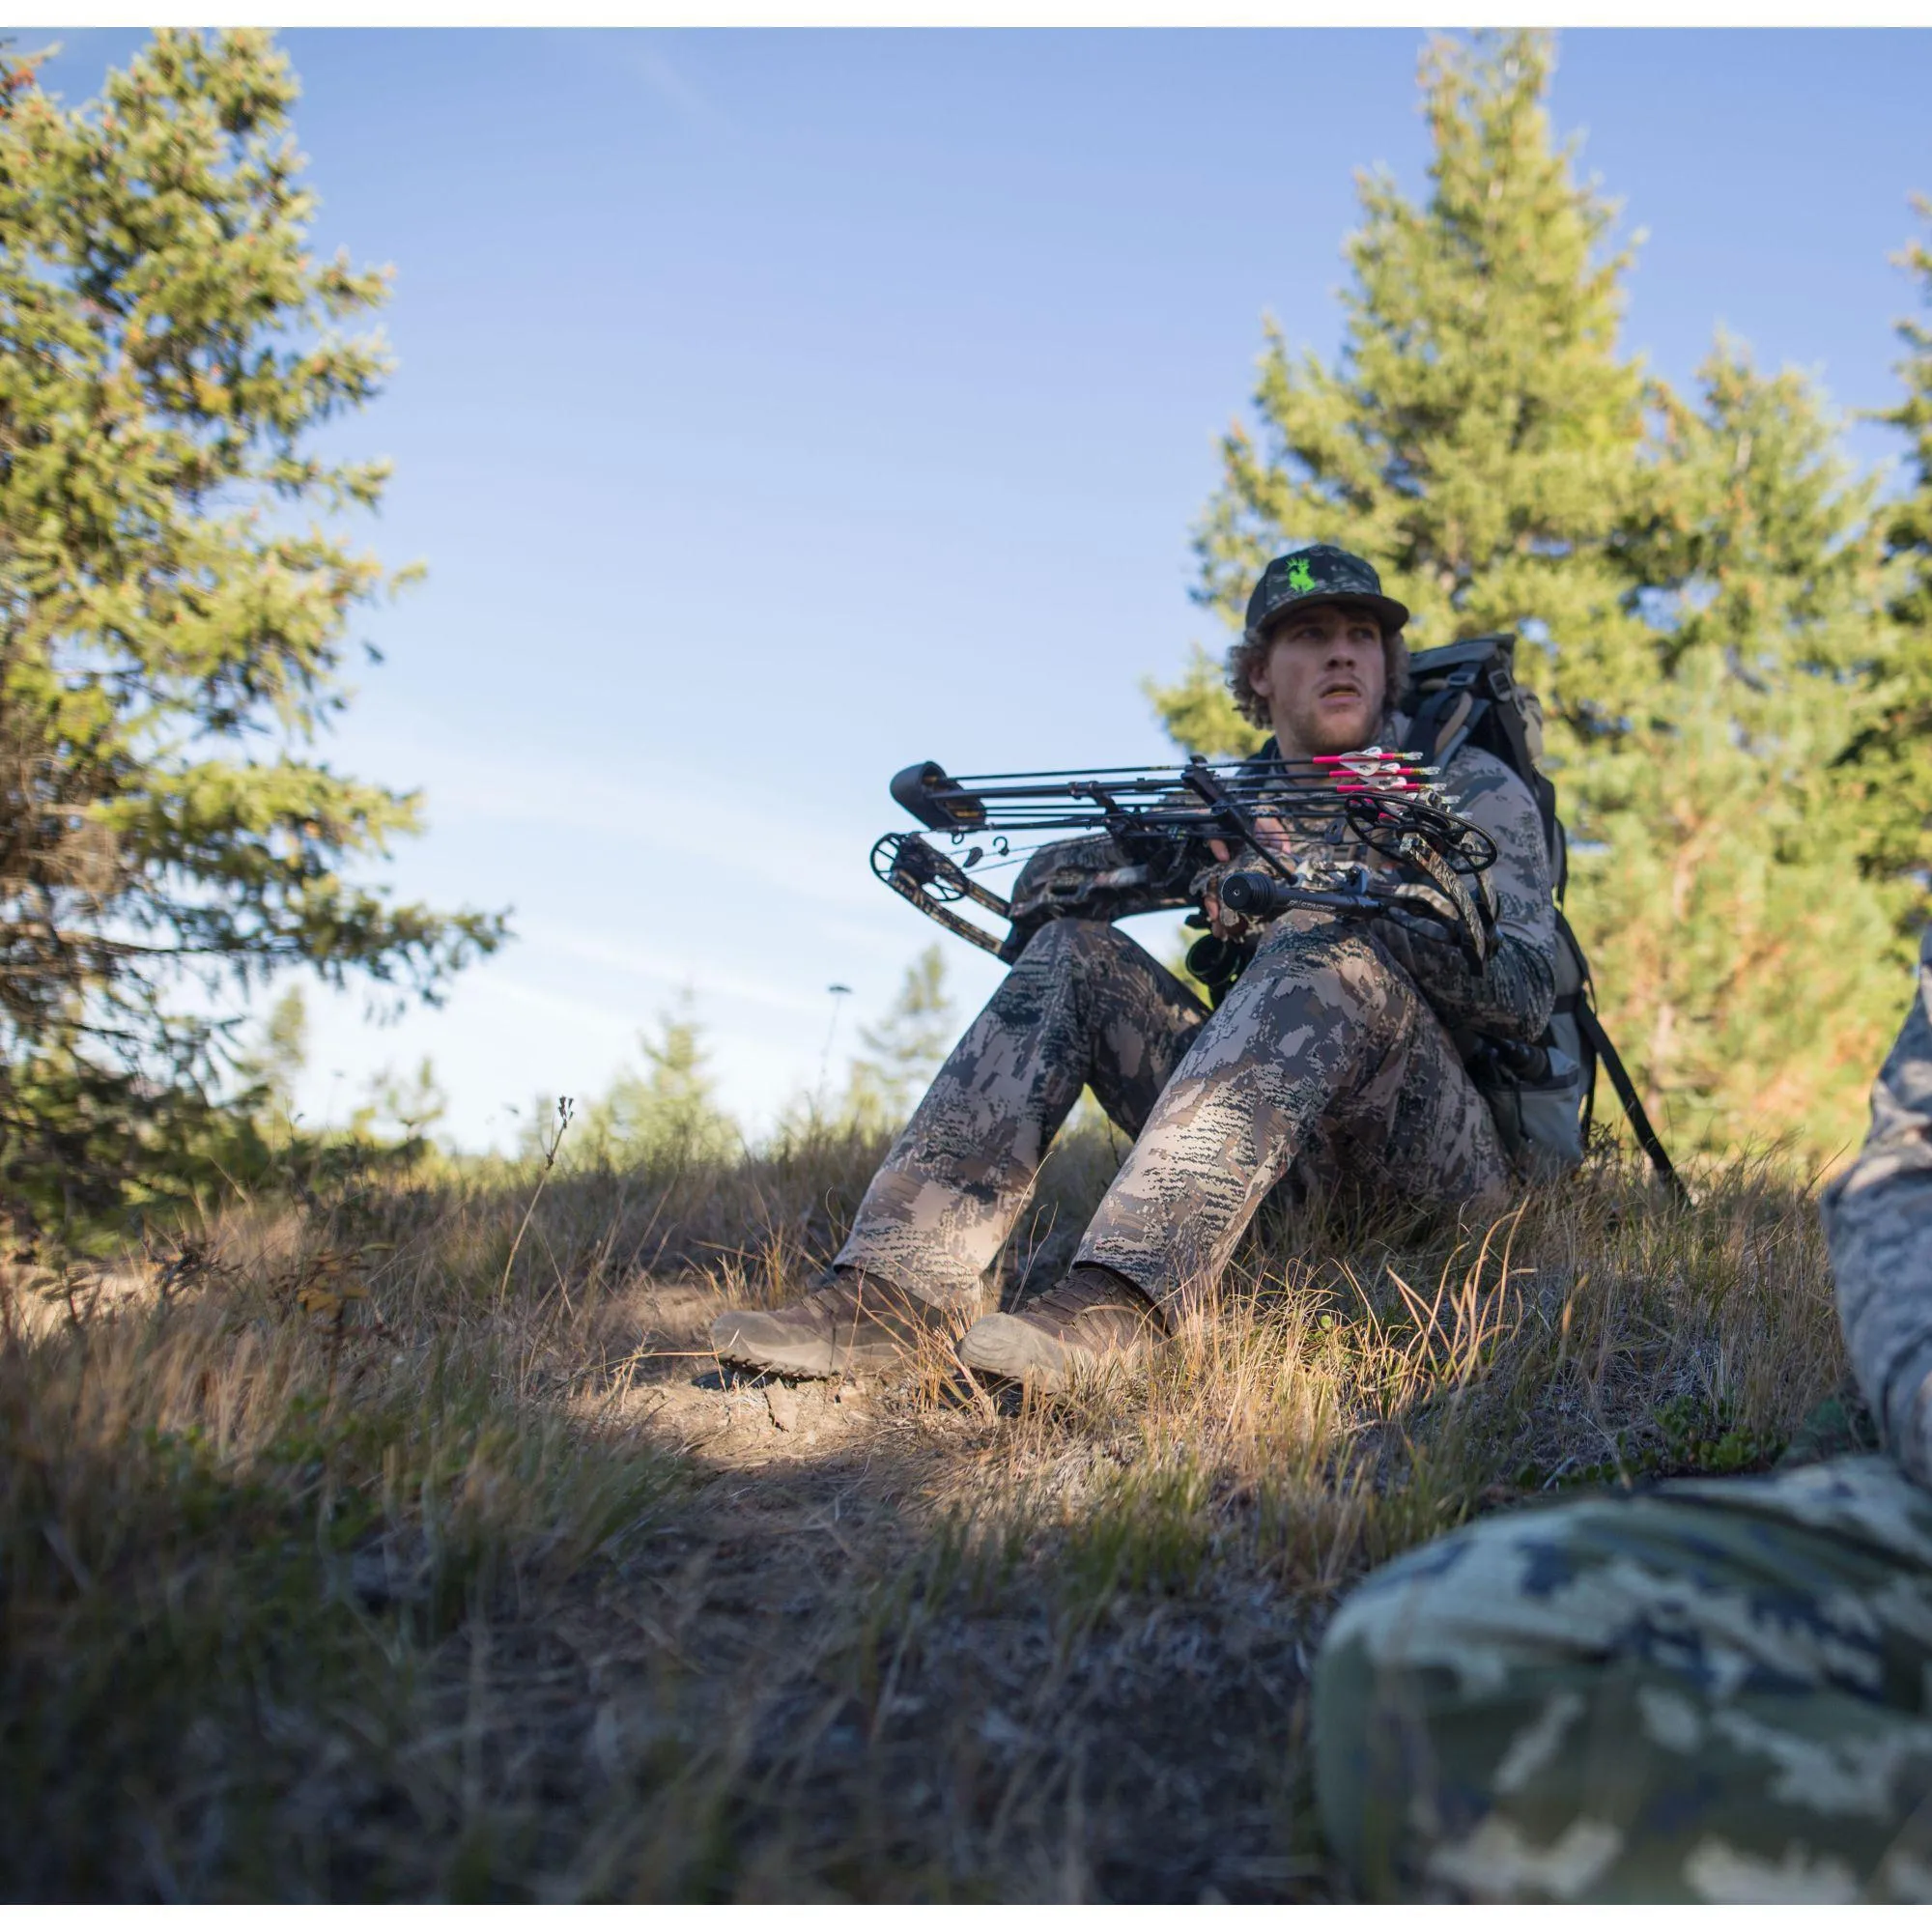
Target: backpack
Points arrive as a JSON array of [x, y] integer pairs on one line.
[[1542, 1095]]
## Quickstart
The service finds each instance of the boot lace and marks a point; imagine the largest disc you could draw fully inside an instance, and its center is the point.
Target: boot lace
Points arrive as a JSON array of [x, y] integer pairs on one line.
[[1088, 1291], [849, 1299]]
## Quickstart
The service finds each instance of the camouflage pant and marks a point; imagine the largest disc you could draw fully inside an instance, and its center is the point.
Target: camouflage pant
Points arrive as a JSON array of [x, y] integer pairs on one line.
[[1324, 1057], [1713, 1690]]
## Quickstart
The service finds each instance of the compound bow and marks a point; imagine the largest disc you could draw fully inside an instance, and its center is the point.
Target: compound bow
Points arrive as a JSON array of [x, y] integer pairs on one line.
[[1160, 818]]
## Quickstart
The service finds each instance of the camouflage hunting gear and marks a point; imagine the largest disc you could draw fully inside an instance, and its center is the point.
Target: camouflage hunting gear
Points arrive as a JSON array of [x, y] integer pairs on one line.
[[1083, 1006], [1320, 574], [1720, 1689], [1878, 1219], [1510, 996], [1327, 1063], [1324, 1059], [1713, 1691]]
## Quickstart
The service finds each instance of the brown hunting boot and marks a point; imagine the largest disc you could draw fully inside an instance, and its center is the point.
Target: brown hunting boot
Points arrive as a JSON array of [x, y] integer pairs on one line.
[[1094, 1317], [854, 1320]]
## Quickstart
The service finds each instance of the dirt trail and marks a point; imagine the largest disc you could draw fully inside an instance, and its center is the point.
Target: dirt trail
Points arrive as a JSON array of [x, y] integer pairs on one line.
[[906, 1748]]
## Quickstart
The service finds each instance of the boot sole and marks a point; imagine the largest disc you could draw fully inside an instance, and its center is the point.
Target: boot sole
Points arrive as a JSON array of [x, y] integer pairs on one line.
[[811, 1359]]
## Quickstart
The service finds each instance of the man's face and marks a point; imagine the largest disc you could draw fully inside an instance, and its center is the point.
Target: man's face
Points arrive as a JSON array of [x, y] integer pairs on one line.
[[1323, 679]]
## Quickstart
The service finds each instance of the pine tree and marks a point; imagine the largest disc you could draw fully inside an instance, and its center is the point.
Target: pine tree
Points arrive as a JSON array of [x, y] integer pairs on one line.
[[905, 1048], [271, 1073], [1741, 953], [1478, 439], [1893, 757], [172, 610], [1909, 525], [668, 1114], [412, 1103]]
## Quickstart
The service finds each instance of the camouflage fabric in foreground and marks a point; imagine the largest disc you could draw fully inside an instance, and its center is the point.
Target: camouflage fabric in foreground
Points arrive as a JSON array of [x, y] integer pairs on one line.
[[1326, 1062], [1878, 1219], [1714, 1691]]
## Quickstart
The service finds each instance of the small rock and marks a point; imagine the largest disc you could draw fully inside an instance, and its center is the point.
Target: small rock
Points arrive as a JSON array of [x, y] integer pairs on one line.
[[782, 1402], [852, 1404]]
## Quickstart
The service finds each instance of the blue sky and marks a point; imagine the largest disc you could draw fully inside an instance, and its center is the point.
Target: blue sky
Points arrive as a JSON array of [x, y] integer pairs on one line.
[[776, 408]]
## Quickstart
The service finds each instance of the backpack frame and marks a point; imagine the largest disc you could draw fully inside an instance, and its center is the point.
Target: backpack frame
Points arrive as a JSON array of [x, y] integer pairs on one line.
[[1542, 1096]]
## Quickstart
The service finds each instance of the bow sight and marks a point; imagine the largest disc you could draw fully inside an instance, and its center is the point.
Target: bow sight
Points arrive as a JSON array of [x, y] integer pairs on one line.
[[1149, 831]]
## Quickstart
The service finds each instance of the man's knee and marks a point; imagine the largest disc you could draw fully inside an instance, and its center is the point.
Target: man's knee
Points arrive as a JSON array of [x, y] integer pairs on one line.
[[1071, 946], [1319, 1002], [1345, 1720], [1340, 958]]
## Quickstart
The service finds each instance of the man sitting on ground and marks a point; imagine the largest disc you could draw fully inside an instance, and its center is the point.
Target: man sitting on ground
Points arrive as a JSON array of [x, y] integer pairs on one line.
[[1713, 1690], [1331, 1058]]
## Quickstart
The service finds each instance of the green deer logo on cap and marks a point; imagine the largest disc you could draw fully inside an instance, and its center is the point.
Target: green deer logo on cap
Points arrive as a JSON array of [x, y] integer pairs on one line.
[[1300, 576]]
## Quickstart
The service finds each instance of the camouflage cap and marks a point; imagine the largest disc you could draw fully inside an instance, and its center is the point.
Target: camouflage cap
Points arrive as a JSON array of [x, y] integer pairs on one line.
[[1321, 574]]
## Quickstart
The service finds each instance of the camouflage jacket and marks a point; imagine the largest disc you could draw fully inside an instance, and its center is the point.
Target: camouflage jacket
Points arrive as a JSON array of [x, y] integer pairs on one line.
[[1878, 1220], [1509, 997]]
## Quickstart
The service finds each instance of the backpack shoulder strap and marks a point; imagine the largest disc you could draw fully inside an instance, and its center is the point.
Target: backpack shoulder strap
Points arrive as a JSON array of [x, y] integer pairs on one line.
[[1446, 715], [1467, 687], [1583, 1009], [1509, 722], [1592, 1029]]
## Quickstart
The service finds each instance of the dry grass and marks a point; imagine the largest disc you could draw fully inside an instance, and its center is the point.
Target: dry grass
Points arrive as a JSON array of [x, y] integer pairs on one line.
[[347, 1555]]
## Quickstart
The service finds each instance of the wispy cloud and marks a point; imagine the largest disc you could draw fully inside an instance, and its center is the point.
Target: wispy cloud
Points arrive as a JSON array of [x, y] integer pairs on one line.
[[670, 972], [684, 814], [674, 87]]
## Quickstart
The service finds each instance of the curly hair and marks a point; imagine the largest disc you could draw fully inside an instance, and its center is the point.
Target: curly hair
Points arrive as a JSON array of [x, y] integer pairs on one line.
[[1253, 647]]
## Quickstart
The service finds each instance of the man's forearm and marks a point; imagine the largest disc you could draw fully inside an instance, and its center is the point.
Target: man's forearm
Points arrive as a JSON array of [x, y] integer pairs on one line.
[[1878, 1221]]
